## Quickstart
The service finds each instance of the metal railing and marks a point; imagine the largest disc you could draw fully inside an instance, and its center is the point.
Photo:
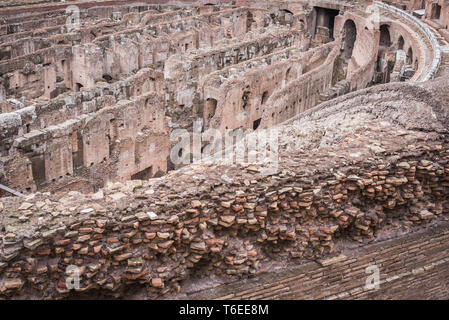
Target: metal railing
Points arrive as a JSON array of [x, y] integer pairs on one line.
[[9, 190]]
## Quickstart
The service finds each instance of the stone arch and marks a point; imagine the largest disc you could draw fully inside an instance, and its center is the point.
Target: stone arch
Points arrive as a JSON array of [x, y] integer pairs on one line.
[[349, 37]]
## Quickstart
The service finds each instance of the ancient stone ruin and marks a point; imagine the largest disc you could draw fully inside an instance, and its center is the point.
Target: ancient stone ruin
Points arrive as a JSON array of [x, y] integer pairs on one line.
[[234, 149]]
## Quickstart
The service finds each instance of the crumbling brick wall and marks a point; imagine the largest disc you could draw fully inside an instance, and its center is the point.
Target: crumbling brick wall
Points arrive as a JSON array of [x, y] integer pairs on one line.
[[411, 266], [382, 170]]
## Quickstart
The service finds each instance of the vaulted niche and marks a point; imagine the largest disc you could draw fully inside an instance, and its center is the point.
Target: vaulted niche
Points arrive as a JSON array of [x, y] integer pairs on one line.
[[435, 12], [385, 39], [325, 18], [349, 37]]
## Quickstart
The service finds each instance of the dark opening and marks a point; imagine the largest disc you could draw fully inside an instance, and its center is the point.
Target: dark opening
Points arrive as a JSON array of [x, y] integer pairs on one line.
[[287, 74], [288, 16], [38, 169], [245, 99], [256, 123], [143, 175], [401, 43], [78, 87], [349, 37], [249, 21], [170, 165], [78, 156], [326, 18], [384, 36], [211, 107], [5, 55], [159, 174], [409, 56], [107, 77], [436, 12], [265, 97]]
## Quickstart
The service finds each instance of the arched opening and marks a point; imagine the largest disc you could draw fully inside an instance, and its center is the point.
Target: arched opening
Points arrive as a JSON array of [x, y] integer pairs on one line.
[[287, 11], [401, 43], [435, 12], [384, 36], [409, 56], [349, 37], [325, 20], [288, 16], [78, 87], [210, 108], [383, 65], [107, 77]]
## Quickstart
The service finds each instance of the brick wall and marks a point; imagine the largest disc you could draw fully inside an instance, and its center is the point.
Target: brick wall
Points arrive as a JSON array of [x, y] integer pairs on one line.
[[412, 266]]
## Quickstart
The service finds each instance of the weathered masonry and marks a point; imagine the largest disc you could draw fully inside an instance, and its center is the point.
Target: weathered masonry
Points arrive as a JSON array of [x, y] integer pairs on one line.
[[356, 91], [84, 105]]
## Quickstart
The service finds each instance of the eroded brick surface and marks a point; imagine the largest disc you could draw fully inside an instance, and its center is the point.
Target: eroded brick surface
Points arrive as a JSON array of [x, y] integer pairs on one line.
[[86, 118]]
